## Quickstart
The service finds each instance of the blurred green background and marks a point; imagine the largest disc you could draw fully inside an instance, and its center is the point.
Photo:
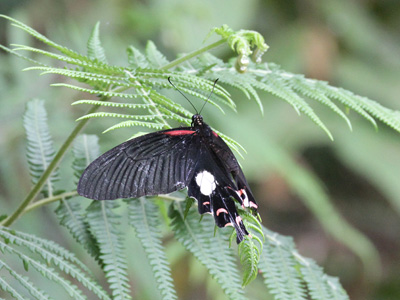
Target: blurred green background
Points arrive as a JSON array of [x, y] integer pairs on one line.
[[351, 44]]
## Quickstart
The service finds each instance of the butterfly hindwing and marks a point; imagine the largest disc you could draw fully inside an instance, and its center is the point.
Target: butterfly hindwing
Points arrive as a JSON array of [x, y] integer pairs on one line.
[[152, 164], [225, 155], [215, 191]]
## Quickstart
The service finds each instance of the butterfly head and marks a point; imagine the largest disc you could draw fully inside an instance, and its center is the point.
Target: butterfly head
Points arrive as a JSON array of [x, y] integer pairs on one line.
[[197, 120]]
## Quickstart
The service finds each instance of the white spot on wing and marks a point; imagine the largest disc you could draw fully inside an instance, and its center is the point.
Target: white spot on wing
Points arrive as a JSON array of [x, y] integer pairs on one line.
[[206, 182]]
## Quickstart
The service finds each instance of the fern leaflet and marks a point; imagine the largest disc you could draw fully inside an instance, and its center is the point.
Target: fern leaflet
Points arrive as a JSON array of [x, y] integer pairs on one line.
[[210, 250], [40, 150], [144, 217], [103, 225]]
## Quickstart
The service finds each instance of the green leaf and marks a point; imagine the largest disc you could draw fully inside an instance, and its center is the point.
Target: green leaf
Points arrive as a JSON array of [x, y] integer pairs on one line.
[[155, 57], [211, 251], [104, 227], [47, 256], [145, 218], [40, 150], [136, 59], [95, 50]]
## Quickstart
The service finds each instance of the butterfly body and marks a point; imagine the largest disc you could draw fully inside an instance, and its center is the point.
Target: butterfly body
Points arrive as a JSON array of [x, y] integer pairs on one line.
[[166, 161]]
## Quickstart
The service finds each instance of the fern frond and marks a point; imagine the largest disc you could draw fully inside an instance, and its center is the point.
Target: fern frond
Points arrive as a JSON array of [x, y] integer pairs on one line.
[[71, 216], [40, 37], [136, 59], [98, 92], [52, 253], [251, 248], [144, 217], [320, 285], [6, 287], [40, 150], [86, 149], [211, 251], [46, 271], [125, 124], [155, 57], [279, 268], [25, 283], [298, 83], [95, 50], [122, 116], [82, 76], [19, 55], [69, 212], [103, 225], [112, 104], [291, 276], [82, 61]]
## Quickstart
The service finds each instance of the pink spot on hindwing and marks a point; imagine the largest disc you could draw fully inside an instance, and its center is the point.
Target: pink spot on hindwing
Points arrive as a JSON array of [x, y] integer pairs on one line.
[[221, 210]]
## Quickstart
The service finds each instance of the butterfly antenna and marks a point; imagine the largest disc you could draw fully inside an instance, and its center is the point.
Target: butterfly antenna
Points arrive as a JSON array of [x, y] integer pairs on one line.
[[169, 80], [215, 82]]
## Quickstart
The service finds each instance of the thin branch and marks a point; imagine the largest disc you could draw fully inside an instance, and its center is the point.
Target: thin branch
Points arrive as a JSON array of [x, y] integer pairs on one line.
[[192, 54], [48, 200]]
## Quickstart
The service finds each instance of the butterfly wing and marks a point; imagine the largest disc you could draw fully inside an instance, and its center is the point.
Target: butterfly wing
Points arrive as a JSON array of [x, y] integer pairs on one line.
[[229, 162], [152, 164], [214, 191]]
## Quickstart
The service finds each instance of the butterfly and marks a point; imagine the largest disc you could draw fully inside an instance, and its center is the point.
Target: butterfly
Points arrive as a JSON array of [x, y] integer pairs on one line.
[[165, 161]]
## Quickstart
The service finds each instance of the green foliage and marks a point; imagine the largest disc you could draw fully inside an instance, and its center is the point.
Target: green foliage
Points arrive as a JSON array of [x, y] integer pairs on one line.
[[291, 276], [104, 227], [40, 150], [251, 248], [197, 237], [50, 261], [287, 275], [69, 211], [145, 218]]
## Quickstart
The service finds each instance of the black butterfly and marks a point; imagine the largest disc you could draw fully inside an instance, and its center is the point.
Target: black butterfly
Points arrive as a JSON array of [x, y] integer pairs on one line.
[[166, 161]]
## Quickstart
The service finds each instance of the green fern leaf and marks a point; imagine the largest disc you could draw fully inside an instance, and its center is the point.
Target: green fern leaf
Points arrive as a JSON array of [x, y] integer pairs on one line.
[[52, 253], [71, 216], [95, 50], [40, 150], [211, 251], [144, 217], [136, 59], [155, 57], [46, 271], [6, 287], [125, 124], [279, 268], [251, 248], [320, 285], [112, 104], [25, 283], [103, 225]]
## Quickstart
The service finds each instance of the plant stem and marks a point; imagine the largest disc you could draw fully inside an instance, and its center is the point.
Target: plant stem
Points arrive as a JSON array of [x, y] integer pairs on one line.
[[48, 200], [192, 54], [42, 180]]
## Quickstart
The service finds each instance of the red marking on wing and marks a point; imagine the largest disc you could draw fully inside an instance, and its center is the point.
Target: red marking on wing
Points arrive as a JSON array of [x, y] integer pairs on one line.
[[179, 132], [221, 210], [206, 203], [216, 135], [252, 204]]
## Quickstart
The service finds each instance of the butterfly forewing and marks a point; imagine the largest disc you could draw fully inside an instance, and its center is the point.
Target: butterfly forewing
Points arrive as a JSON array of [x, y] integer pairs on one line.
[[155, 163]]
